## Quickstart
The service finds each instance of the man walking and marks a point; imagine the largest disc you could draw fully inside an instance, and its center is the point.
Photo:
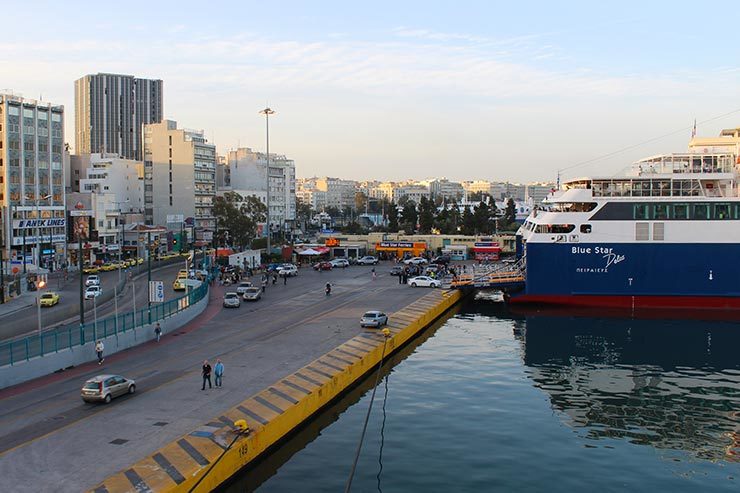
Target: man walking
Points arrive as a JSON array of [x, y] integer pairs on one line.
[[158, 331], [206, 372], [218, 370], [99, 348]]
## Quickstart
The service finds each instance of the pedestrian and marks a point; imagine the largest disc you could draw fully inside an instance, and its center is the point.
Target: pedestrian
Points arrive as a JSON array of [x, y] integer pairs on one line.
[[400, 277], [264, 284], [374, 274], [99, 348], [218, 370], [206, 372], [274, 278], [158, 331], [285, 279]]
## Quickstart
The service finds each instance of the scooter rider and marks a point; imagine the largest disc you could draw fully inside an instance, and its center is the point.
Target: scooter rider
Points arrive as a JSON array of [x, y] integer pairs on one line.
[[328, 289]]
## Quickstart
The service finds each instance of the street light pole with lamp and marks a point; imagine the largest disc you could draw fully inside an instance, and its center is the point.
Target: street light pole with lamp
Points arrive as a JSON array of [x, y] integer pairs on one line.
[[38, 228], [267, 112], [121, 239]]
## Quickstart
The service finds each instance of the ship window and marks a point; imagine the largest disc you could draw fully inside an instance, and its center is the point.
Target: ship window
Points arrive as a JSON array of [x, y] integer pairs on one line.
[[641, 211], [661, 211], [722, 211], [585, 228], [680, 211], [700, 211]]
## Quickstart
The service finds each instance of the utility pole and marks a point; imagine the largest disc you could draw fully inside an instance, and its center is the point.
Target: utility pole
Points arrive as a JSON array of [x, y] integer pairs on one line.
[[149, 272], [267, 112]]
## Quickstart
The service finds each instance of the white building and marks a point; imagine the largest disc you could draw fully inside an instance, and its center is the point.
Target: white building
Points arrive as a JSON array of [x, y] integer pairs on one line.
[[535, 193], [413, 192], [442, 187], [32, 181], [248, 176]]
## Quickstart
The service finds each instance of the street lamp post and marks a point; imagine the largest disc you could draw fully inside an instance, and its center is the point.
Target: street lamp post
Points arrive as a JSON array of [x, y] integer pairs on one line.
[[267, 112], [38, 228], [121, 240]]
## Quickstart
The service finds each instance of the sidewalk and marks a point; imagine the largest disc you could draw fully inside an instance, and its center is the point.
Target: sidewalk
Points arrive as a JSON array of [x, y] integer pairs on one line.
[[17, 303]]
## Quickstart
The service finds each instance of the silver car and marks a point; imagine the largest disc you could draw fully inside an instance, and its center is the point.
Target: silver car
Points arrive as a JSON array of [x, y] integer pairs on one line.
[[252, 294], [243, 286], [103, 388], [231, 300], [374, 318]]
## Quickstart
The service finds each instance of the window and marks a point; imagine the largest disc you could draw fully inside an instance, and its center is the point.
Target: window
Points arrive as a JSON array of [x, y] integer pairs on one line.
[[642, 231], [700, 211], [722, 211], [641, 211], [585, 228], [680, 211], [661, 211], [659, 231]]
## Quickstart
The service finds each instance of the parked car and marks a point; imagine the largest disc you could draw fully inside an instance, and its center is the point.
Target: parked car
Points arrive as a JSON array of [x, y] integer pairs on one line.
[[373, 318], [441, 259], [424, 282], [415, 261], [368, 260], [231, 300], [323, 266], [289, 270], [50, 298], [92, 280], [103, 388], [252, 294], [93, 292], [242, 287], [90, 269], [108, 267], [431, 269], [396, 270], [340, 262]]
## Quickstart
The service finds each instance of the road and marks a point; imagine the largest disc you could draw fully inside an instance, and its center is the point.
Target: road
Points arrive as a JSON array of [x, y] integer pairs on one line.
[[24, 322], [47, 432]]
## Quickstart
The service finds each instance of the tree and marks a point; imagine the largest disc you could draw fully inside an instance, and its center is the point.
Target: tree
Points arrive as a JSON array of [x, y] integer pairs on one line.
[[508, 221], [468, 222], [360, 202], [409, 217], [484, 218], [392, 217], [239, 216], [426, 215]]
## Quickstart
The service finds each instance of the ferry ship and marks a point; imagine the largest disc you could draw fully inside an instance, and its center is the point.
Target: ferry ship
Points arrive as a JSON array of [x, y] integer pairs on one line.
[[665, 234]]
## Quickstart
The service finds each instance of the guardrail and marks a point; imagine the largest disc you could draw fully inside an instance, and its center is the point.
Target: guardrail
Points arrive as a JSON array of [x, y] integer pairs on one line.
[[12, 352]]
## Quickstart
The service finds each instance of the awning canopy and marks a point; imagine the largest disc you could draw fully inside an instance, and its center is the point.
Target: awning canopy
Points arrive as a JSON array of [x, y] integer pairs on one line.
[[314, 251]]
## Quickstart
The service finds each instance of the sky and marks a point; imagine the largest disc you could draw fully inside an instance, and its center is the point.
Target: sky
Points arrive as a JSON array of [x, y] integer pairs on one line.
[[391, 90]]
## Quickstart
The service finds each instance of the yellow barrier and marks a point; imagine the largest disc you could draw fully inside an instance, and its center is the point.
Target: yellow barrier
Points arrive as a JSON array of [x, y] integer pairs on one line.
[[210, 455]]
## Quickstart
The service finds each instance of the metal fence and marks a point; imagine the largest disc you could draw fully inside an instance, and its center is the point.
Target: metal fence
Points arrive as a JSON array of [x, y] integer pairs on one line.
[[12, 352]]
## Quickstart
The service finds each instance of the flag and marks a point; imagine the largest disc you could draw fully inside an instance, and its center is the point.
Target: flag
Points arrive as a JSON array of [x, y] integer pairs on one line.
[[693, 131]]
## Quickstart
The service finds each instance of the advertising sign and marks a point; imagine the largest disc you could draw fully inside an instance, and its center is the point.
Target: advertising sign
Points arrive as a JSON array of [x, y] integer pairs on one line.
[[79, 228], [156, 291], [175, 218], [396, 244], [55, 222]]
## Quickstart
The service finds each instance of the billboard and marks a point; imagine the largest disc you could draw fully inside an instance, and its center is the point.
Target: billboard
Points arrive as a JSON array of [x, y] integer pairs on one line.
[[79, 228]]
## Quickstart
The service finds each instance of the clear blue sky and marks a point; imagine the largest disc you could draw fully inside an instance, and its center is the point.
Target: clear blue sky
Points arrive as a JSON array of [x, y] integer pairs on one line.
[[392, 90]]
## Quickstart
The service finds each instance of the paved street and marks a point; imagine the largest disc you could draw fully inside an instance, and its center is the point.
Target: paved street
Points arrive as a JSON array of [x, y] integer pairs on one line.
[[47, 432], [24, 316]]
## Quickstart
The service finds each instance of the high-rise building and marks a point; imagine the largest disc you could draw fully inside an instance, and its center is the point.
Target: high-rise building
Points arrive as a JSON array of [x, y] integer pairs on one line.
[[32, 180], [110, 110], [179, 176], [247, 170]]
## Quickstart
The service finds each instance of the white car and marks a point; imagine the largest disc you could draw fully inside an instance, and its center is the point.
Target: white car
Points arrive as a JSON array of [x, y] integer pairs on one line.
[[340, 262], [231, 300], [424, 282], [92, 280], [242, 287], [289, 270], [368, 260], [93, 292], [374, 318], [415, 261]]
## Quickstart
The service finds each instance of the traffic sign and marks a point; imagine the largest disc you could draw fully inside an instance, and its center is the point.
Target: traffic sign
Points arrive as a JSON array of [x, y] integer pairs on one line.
[[156, 291]]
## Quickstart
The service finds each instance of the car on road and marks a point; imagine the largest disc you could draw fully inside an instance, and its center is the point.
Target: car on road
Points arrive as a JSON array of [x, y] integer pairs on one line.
[[415, 261], [323, 266], [424, 282], [340, 262], [289, 270], [90, 269], [367, 260], [231, 300], [252, 294], [396, 270], [130, 262], [242, 287], [92, 280], [50, 298], [441, 259], [103, 388], [374, 318], [179, 284], [93, 292], [107, 267]]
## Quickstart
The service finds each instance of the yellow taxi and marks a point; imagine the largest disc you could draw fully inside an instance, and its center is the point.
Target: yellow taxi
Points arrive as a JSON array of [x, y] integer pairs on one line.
[[131, 262], [140, 261], [179, 284], [50, 298], [91, 269], [107, 267]]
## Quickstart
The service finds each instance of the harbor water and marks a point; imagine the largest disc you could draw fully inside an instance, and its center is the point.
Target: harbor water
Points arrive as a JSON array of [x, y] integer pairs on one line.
[[488, 400]]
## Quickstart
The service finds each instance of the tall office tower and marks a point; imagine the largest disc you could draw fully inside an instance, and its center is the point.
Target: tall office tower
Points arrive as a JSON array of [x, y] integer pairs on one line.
[[110, 110], [32, 181]]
